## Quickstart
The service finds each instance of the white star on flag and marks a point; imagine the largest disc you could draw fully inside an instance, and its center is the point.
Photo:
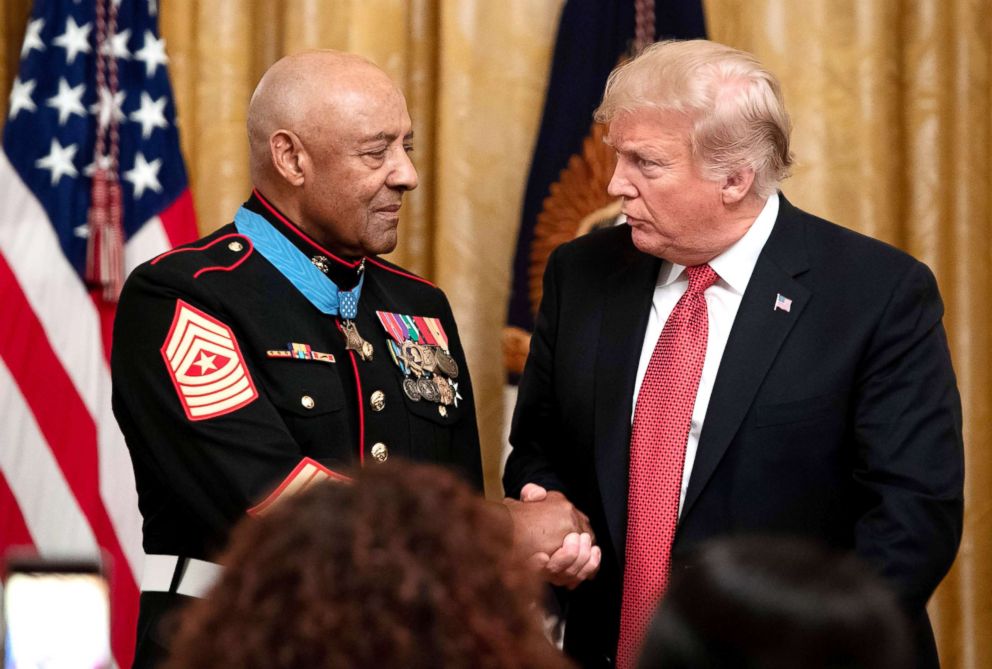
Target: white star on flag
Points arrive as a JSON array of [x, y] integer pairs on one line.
[[75, 40], [152, 54], [71, 491], [150, 115], [144, 175], [69, 100], [106, 105], [59, 161], [32, 39], [117, 46], [20, 97]]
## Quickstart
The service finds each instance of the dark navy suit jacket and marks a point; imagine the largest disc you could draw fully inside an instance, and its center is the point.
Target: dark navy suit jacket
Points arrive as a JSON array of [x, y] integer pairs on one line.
[[838, 419]]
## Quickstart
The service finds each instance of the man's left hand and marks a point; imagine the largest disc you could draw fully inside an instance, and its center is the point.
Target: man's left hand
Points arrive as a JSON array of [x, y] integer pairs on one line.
[[575, 561]]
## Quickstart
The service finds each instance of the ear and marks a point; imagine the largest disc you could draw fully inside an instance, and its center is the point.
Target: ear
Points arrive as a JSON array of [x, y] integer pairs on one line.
[[288, 156], [737, 186]]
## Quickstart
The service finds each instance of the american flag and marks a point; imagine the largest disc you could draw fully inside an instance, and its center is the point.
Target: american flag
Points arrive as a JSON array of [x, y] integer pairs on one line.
[[66, 483], [782, 302]]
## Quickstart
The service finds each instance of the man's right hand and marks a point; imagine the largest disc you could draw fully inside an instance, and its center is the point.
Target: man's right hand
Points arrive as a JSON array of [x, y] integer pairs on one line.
[[541, 525], [564, 562]]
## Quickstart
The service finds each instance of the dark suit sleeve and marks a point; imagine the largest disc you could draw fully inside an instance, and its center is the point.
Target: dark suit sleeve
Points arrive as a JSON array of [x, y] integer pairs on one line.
[[908, 430], [532, 433]]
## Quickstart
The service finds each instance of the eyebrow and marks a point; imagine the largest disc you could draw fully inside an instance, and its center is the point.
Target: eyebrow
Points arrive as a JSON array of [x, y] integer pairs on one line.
[[387, 137]]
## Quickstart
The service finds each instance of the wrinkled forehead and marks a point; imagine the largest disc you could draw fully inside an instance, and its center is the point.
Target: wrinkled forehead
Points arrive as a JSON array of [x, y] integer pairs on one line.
[[369, 111], [354, 110]]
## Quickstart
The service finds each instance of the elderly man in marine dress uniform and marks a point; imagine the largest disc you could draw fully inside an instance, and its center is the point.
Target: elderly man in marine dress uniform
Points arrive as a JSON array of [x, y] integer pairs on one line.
[[282, 349]]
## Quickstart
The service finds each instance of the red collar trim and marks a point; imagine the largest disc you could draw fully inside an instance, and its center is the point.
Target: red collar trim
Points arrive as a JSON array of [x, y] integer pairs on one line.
[[304, 236], [414, 277]]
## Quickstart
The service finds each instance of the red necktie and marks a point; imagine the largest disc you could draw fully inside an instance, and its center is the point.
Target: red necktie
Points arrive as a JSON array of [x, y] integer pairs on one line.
[[657, 456]]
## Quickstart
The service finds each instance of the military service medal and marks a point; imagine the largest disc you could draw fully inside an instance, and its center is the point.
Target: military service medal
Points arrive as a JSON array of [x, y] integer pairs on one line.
[[348, 309], [445, 362], [418, 346]]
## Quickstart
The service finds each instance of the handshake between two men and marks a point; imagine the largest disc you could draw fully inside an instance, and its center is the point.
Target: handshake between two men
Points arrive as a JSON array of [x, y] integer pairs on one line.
[[553, 536]]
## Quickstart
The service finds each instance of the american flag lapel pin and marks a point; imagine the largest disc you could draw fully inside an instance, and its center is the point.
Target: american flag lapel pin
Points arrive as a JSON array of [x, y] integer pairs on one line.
[[782, 302]]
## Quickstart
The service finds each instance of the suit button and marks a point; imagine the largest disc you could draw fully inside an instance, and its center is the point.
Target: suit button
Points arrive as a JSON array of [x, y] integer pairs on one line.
[[443, 411], [378, 400], [379, 451], [307, 402]]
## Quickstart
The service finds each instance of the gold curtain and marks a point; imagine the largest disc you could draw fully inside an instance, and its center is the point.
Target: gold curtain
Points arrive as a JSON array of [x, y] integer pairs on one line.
[[893, 135]]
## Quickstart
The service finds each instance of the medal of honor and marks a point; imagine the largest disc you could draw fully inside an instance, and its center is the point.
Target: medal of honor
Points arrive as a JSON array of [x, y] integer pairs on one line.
[[348, 310], [308, 276], [354, 342]]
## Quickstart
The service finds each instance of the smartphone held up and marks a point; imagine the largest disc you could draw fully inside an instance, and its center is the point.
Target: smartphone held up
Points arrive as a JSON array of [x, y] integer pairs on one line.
[[56, 613]]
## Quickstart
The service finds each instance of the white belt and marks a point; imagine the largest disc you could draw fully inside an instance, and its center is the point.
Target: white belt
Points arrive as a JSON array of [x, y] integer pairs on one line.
[[197, 579]]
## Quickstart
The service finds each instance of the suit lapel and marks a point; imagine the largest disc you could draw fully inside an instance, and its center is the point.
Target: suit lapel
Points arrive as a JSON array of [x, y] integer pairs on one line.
[[755, 338], [628, 294]]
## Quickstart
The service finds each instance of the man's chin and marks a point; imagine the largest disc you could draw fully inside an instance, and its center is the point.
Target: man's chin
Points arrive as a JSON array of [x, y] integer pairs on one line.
[[384, 243], [647, 242]]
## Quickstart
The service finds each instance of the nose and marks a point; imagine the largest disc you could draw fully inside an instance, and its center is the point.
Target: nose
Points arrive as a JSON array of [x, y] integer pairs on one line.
[[620, 185], [403, 175]]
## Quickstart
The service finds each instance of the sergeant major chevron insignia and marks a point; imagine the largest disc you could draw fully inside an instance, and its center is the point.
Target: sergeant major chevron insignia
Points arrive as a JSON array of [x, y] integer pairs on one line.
[[206, 365]]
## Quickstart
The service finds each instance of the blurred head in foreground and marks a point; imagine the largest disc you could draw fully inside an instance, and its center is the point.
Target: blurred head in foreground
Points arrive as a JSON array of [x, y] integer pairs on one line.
[[760, 603], [405, 567]]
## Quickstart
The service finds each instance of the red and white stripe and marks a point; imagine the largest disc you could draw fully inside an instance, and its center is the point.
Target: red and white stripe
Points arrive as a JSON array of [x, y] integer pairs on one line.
[[66, 482]]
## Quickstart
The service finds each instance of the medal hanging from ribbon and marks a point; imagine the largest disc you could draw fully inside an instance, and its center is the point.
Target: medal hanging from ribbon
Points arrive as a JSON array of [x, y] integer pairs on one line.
[[418, 346], [348, 309], [310, 281]]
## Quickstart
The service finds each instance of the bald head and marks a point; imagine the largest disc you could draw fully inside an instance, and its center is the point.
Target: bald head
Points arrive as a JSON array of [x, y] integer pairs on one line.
[[330, 135], [303, 93]]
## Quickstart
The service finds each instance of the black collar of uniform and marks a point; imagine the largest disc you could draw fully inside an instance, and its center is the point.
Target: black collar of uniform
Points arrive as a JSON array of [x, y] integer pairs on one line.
[[344, 273]]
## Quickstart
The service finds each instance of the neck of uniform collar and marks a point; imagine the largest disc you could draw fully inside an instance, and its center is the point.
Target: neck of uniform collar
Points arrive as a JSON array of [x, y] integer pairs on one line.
[[345, 273]]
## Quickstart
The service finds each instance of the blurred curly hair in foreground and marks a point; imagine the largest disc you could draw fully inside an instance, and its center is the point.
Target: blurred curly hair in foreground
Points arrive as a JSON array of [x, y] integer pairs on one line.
[[406, 567]]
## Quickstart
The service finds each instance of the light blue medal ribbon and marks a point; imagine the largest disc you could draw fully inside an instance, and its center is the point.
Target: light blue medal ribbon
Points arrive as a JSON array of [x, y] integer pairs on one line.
[[297, 268]]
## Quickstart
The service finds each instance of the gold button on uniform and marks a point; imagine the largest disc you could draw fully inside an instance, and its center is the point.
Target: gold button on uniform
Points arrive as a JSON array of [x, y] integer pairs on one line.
[[235, 246], [379, 451], [443, 411], [378, 400], [307, 402]]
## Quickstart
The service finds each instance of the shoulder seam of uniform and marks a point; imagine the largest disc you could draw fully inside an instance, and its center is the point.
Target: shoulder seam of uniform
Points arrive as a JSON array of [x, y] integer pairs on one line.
[[208, 245], [402, 273]]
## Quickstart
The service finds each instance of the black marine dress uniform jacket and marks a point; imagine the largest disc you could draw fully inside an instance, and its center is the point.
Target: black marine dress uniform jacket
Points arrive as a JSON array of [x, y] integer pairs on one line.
[[836, 419], [197, 477]]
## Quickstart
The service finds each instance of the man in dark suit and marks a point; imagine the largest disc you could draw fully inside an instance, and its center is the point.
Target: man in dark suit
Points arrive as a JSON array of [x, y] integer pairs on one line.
[[726, 364]]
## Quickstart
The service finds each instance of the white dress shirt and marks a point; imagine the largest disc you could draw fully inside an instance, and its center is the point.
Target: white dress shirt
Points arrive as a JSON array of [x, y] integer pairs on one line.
[[734, 267]]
